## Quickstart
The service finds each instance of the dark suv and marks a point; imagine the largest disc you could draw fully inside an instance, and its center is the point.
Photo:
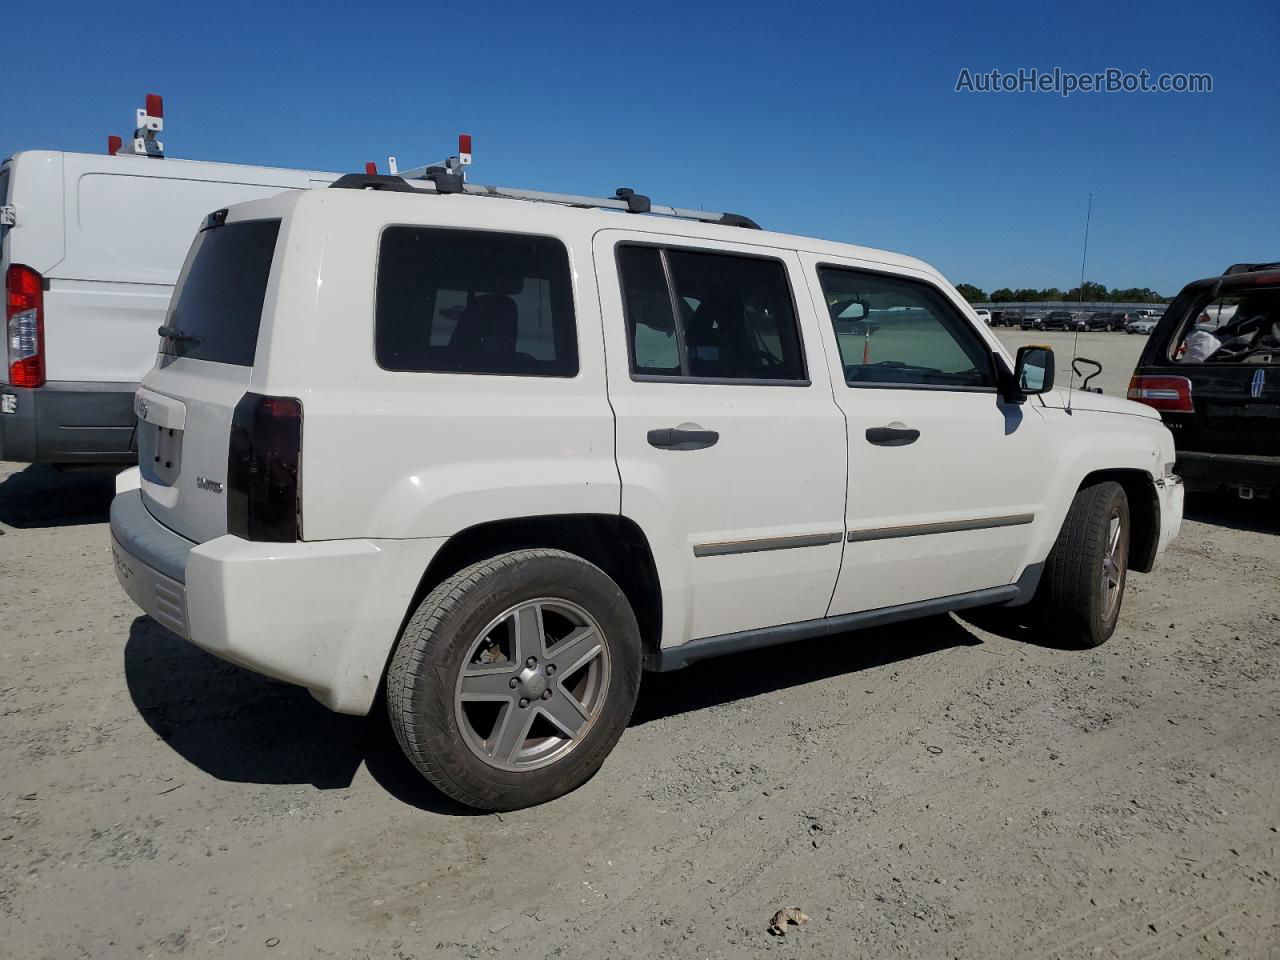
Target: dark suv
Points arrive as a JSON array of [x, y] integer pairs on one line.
[[1104, 321], [1212, 369]]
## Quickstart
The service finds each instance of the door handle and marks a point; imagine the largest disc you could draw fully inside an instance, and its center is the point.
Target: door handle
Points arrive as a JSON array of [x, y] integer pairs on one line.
[[892, 436], [679, 438]]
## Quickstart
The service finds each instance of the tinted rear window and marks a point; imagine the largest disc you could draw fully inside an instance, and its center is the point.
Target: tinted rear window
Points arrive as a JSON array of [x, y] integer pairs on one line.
[[4, 185], [217, 307], [1236, 327], [474, 301]]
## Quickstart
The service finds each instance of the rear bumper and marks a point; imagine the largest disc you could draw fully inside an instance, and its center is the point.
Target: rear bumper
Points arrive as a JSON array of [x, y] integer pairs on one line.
[[1209, 471], [322, 615], [64, 422]]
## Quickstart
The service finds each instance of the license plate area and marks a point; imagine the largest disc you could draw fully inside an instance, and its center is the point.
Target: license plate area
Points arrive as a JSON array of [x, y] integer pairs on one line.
[[160, 454]]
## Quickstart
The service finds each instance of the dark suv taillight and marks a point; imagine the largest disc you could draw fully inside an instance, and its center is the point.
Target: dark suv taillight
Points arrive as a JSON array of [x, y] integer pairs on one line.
[[1172, 394], [24, 326], [264, 460]]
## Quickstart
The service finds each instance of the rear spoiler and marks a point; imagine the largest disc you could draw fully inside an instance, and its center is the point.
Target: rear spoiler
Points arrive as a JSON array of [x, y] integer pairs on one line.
[[1236, 268]]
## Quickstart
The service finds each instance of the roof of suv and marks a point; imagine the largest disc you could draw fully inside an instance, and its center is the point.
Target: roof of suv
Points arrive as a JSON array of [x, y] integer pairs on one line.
[[544, 215]]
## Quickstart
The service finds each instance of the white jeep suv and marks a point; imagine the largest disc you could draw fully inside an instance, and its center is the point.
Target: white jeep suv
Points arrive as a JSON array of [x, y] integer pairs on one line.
[[497, 456]]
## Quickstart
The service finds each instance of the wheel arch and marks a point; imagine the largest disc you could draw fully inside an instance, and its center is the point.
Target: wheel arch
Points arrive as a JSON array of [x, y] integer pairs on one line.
[[1144, 513], [614, 543]]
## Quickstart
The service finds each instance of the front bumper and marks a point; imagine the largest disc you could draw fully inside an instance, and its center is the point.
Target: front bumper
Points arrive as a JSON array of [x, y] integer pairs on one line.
[[63, 422], [1209, 471], [323, 615]]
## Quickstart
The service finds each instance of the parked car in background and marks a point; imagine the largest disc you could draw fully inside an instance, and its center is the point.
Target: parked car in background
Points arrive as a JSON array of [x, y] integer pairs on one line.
[[1141, 325], [984, 315], [1031, 321], [99, 239], [1102, 321], [1058, 320], [509, 453], [1217, 385]]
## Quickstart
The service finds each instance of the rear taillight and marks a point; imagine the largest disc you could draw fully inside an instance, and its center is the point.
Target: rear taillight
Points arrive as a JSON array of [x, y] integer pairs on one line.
[[1172, 394], [264, 458], [24, 326]]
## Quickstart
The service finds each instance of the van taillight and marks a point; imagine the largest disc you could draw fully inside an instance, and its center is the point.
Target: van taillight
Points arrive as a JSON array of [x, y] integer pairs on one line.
[[24, 326], [264, 458], [1172, 394]]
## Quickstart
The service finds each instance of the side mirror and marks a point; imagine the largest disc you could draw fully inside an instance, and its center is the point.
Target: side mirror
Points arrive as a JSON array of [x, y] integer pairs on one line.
[[1032, 373], [850, 309]]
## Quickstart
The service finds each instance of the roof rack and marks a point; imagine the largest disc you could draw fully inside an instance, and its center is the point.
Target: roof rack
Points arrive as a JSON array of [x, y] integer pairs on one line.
[[1249, 268], [450, 177]]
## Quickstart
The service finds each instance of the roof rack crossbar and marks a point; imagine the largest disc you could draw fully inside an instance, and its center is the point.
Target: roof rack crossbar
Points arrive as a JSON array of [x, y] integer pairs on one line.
[[626, 199]]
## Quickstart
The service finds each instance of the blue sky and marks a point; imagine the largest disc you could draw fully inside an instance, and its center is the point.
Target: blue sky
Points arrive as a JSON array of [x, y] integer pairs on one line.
[[834, 120]]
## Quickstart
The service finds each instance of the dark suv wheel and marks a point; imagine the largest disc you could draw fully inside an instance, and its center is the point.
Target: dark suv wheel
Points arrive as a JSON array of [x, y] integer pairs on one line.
[[515, 678]]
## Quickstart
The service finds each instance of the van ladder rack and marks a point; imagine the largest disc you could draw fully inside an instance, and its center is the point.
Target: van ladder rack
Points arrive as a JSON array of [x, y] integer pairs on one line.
[[450, 177]]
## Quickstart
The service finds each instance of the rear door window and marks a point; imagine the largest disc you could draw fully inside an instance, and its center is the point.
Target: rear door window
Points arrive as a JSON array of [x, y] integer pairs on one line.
[[474, 301], [705, 315], [217, 306]]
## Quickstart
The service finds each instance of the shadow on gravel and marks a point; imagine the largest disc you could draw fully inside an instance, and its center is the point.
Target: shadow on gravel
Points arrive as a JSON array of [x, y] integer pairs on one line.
[[41, 496], [240, 727], [1014, 623], [1225, 510], [723, 679]]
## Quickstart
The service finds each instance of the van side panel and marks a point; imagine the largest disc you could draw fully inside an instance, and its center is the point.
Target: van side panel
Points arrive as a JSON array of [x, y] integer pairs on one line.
[[127, 233]]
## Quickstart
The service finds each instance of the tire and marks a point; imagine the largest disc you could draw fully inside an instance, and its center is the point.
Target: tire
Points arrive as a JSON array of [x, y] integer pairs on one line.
[[1074, 605], [490, 618]]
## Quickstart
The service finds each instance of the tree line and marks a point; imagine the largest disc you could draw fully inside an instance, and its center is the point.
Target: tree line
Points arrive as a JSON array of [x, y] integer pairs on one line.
[[1090, 292]]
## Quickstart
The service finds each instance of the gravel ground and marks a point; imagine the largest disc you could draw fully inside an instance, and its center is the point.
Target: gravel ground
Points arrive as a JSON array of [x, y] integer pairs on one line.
[[950, 788]]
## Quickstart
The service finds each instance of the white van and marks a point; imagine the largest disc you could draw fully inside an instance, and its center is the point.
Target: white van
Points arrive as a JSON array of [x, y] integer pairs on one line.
[[90, 248]]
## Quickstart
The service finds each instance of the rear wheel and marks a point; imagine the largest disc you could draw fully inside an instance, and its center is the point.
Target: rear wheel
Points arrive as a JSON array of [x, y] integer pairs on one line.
[[515, 678], [1084, 577]]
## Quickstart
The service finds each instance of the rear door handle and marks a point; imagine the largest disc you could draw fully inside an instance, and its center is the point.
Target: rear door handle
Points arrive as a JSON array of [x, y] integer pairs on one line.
[[679, 438], [892, 436]]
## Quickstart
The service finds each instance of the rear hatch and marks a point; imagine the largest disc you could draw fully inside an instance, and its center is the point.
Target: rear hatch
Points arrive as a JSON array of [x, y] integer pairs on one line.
[[1223, 337], [207, 349]]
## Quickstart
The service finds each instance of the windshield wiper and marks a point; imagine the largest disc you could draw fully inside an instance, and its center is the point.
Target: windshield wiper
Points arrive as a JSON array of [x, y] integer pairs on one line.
[[177, 336]]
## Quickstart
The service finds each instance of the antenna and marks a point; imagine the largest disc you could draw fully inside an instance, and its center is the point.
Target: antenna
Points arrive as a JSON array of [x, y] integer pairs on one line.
[[1075, 340]]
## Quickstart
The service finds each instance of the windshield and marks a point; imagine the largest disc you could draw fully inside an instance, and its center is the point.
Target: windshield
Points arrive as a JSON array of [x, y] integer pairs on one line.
[[1236, 328], [217, 306]]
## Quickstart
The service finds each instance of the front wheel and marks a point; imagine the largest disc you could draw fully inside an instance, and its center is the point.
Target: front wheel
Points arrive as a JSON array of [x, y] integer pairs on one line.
[[1083, 584], [515, 678]]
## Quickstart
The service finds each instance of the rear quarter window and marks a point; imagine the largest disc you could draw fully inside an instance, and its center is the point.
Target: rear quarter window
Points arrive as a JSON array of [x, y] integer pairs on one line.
[[217, 305], [474, 301]]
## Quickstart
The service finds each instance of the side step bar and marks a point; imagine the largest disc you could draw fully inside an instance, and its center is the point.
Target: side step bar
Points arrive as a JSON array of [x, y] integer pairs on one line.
[[675, 658]]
